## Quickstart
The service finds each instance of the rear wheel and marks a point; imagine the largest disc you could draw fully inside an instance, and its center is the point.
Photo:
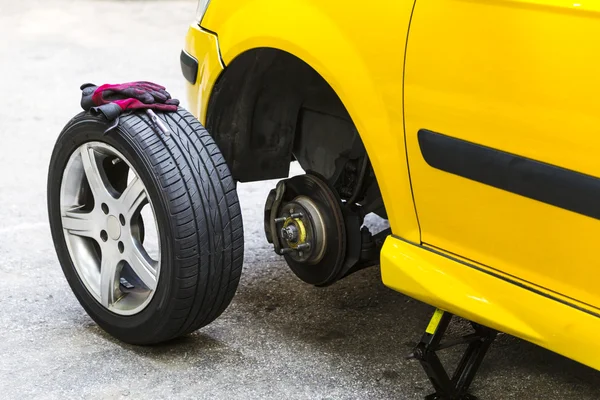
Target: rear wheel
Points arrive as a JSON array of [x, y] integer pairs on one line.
[[147, 227]]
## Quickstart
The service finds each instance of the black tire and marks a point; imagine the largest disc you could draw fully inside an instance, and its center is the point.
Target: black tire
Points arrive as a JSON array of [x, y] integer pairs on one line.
[[196, 207]]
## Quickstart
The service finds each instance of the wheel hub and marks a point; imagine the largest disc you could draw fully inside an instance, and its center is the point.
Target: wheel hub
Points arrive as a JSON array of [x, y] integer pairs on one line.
[[302, 234], [113, 227], [293, 232]]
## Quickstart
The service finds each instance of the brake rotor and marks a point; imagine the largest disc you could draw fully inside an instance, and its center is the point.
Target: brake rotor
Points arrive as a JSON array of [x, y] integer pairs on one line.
[[304, 221]]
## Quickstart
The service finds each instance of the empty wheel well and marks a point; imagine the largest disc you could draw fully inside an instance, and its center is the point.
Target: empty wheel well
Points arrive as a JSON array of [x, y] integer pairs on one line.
[[269, 108]]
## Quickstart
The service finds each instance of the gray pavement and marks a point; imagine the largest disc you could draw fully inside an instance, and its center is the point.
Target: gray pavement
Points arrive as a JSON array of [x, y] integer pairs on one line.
[[280, 339]]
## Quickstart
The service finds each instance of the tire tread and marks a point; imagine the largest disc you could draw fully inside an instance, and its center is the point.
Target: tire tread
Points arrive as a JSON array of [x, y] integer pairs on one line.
[[205, 217]]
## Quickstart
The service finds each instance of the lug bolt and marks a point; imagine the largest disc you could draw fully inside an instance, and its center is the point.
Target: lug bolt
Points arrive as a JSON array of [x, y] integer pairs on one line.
[[303, 246], [296, 215]]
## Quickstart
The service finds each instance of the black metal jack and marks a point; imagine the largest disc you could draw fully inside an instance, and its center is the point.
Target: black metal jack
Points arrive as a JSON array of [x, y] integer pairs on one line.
[[455, 388]]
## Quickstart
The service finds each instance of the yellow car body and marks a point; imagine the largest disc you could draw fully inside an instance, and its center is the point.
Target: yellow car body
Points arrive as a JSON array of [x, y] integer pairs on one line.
[[481, 119]]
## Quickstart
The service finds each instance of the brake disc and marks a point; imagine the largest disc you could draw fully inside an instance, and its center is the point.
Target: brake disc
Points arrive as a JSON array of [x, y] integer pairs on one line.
[[305, 223]]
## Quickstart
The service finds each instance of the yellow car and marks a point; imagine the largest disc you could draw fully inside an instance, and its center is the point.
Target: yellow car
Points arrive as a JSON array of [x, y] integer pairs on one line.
[[472, 126]]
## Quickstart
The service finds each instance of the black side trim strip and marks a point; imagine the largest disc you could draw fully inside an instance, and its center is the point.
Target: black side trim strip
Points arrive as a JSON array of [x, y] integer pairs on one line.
[[533, 179], [504, 278]]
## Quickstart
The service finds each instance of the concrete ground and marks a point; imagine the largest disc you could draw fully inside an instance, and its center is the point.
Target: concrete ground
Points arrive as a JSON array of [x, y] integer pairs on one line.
[[280, 339]]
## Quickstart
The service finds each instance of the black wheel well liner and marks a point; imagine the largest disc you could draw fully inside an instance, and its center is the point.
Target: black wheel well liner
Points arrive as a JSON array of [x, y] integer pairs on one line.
[[268, 108]]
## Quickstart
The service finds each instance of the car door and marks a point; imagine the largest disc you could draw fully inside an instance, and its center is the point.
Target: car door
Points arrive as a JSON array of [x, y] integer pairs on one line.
[[502, 122]]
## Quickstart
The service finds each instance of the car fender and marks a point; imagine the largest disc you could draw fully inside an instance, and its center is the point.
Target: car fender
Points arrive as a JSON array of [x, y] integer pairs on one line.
[[313, 34]]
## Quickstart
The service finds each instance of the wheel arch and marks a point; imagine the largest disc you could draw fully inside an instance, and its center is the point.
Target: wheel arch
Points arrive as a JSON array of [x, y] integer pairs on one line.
[[257, 28], [262, 107]]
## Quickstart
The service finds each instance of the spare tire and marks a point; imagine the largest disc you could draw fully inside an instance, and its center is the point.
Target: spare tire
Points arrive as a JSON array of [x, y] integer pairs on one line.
[[147, 226]]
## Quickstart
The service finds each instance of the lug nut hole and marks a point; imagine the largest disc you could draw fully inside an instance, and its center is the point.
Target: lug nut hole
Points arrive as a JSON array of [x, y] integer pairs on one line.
[[121, 247], [122, 219], [103, 236], [104, 208]]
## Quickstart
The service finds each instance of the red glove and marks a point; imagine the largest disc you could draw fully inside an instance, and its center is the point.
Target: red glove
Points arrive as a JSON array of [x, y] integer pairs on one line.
[[112, 100]]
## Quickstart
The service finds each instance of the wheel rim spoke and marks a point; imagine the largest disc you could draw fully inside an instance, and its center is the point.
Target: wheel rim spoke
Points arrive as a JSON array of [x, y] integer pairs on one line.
[[133, 197], [78, 223], [92, 172], [108, 245], [143, 266], [108, 280]]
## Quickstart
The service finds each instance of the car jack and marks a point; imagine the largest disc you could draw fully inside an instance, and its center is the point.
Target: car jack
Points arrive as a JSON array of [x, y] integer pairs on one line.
[[454, 388]]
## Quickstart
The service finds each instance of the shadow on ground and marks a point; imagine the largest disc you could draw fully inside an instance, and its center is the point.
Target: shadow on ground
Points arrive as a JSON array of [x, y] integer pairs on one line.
[[358, 322]]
